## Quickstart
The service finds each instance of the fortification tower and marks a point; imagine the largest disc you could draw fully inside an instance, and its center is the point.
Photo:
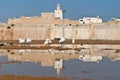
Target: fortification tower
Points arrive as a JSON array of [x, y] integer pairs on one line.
[[58, 12]]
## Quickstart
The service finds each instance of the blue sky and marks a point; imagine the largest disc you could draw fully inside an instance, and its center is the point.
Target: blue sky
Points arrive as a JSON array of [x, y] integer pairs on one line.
[[75, 9]]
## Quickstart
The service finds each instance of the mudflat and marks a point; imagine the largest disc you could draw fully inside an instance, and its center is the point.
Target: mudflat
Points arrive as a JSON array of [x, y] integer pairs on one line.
[[14, 77]]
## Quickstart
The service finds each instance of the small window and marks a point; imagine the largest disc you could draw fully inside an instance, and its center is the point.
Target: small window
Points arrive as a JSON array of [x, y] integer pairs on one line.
[[88, 19], [12, 25], [81, 20], [77, 25], [70, 24], [56, 25], [8, 27]]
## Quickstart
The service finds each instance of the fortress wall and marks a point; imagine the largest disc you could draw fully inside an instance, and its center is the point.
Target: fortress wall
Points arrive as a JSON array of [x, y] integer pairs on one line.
[[110, 32], [6, 32], [97, 32], [36, 32], [41, 31], [30, 31]]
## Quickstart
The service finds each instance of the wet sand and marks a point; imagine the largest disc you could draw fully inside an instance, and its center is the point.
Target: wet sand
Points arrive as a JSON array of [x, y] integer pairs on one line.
[[13, 77]]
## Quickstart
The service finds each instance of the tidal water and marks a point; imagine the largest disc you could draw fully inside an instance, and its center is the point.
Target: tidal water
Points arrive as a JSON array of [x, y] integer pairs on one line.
[[74, 68]]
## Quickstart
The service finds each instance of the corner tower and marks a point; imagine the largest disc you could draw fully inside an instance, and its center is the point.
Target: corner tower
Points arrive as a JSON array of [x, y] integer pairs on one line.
[[58, 12]]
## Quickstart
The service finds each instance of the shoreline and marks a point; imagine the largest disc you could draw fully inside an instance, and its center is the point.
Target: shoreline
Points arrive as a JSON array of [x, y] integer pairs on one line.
[[17, 77]]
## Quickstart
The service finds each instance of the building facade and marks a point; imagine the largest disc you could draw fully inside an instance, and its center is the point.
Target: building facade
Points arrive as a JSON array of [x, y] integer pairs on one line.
[[89, 20], [46, 18]]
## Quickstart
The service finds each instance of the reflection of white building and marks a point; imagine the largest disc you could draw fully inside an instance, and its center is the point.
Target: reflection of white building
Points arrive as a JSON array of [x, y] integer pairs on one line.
[[90, 58], [58, 65], [87, 20]]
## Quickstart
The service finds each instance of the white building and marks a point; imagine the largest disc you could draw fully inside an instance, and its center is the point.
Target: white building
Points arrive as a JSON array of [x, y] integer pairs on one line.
[[58, 13], [88, 20], [115, 19]]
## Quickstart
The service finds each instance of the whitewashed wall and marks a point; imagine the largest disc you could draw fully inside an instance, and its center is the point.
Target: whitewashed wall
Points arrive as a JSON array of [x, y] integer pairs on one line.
[[97, 31]]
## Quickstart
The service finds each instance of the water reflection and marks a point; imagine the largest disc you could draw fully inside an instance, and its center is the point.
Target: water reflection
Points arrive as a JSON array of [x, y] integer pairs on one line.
[[77, 65], [90, 58]]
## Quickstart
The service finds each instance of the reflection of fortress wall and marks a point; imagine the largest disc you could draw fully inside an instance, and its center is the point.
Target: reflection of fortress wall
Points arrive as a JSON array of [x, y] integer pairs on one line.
[[49, 59], [45, 59]]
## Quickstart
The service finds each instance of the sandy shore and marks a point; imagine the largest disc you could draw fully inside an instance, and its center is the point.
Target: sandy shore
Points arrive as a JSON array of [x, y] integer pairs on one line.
[[13, 77]]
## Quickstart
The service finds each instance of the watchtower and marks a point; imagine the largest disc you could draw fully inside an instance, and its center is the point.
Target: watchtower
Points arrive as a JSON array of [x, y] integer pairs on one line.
[[58, 12]]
